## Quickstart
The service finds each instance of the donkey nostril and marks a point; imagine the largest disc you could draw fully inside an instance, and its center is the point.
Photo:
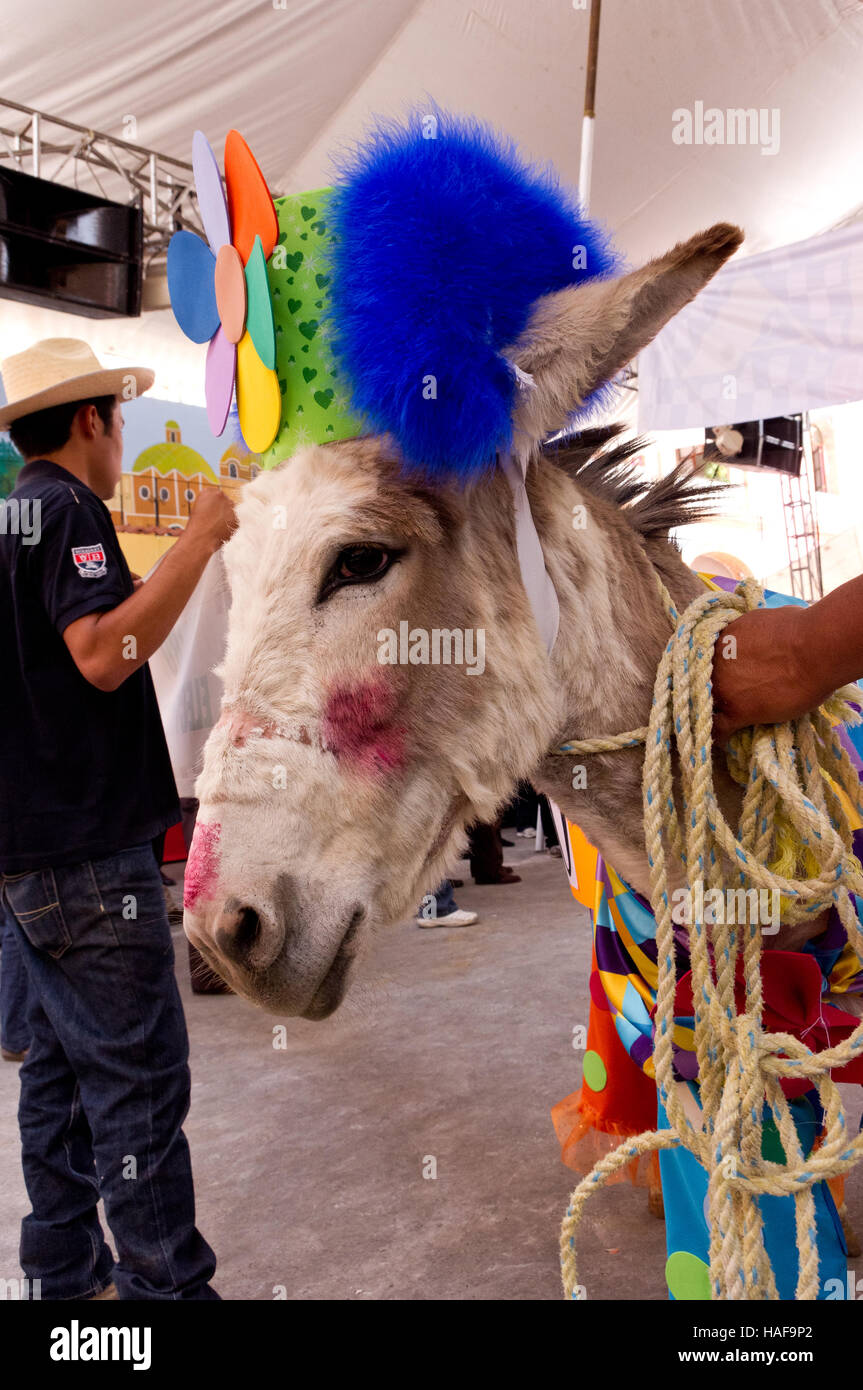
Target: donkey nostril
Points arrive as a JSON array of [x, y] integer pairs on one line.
[[237, 931], [248, 928]]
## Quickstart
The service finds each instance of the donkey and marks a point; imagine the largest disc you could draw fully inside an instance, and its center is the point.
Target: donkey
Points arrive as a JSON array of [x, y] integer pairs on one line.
[[335, 788]]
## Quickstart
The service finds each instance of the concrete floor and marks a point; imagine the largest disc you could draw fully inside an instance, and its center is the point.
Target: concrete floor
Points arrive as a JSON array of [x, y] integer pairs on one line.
[[309, 1159]]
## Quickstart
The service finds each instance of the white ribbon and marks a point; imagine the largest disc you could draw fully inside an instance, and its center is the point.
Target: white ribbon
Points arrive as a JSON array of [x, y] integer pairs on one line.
[[538, 586]]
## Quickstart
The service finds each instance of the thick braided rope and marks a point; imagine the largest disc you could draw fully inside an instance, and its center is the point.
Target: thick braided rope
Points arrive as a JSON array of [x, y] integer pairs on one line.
[[787, 800]]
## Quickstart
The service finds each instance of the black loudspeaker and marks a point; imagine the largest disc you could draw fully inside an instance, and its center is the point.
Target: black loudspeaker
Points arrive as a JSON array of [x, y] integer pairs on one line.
[[776, 444], [69, 250]]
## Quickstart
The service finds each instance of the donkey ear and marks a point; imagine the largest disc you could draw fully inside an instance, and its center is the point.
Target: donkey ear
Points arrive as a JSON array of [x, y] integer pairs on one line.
[[577, 339]]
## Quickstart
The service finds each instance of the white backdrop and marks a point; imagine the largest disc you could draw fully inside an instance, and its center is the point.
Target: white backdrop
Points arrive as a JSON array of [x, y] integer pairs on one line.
[[188, 691], [770, 335], [299, 77]]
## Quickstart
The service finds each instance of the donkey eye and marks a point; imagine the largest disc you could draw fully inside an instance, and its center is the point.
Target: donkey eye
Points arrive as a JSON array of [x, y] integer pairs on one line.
[[358, 564], [362, 562]]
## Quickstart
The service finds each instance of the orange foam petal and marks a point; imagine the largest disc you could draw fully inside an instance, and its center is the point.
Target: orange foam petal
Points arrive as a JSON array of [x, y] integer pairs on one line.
[[249, 202]]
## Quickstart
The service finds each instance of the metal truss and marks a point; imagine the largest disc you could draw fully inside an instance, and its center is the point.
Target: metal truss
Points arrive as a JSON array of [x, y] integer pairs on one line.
[[93, 162], [801, 527]]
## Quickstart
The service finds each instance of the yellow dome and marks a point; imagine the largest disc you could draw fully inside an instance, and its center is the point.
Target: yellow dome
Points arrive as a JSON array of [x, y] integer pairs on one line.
[[166, 456], [239, 452]]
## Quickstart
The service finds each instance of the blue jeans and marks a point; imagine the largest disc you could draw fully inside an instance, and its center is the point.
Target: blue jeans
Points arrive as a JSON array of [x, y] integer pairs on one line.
[[445, 902], [105, 1087], [445, 899], [14, 1033]]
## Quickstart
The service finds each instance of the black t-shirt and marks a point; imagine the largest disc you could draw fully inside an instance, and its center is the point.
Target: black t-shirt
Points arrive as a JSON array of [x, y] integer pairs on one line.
[[83, 772]]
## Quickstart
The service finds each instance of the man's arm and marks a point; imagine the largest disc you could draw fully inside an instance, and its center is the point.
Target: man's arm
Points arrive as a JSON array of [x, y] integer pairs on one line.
[[99, 642], [785, 661]]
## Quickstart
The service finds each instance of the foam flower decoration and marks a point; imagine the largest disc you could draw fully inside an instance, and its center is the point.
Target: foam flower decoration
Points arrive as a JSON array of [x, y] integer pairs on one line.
[[220, 292]]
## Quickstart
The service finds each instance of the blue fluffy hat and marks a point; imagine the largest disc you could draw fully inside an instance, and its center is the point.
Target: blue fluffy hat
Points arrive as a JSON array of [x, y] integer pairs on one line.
[[444, 236]]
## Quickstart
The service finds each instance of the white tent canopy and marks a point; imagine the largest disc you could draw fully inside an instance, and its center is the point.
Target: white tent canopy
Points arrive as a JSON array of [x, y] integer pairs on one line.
[[771, 335], [298, 77]]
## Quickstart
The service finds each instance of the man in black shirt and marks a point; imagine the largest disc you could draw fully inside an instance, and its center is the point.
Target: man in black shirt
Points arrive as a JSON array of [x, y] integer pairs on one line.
[[86, 786]]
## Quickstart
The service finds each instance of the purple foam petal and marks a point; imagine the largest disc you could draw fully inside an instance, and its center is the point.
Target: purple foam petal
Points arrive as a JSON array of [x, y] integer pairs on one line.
[[212, 204], [219, 379]]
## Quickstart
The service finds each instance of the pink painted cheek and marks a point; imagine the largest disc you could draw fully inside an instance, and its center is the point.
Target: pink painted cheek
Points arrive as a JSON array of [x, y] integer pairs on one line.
[[360, 728], [202, 866]]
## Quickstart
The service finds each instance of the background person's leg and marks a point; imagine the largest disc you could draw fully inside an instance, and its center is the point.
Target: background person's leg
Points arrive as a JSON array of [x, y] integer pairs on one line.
[[62, 1243], [445, 899], [141, 1151], [439, 903], [525, 809], [440, 909], [486, 855], [14, 1034], [549, 829], [486, 852], [114, 1004]]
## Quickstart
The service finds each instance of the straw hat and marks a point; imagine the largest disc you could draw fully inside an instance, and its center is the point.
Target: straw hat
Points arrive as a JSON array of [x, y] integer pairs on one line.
[[58, 370]]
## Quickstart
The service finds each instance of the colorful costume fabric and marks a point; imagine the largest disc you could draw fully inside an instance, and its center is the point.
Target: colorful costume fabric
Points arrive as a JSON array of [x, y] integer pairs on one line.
[[618, 1093]]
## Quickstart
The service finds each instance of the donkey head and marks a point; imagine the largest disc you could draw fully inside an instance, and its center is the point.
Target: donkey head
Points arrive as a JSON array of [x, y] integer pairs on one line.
[[385, 683]]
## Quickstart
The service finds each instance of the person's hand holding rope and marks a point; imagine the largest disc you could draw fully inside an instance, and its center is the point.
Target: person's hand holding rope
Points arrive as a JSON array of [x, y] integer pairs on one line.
[[775, 664]]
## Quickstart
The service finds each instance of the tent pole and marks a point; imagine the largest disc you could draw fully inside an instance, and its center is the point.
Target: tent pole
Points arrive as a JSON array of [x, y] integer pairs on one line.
[[586, 167]]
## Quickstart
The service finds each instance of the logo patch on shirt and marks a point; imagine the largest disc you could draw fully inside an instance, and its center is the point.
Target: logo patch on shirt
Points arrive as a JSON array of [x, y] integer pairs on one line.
[[90, 561]]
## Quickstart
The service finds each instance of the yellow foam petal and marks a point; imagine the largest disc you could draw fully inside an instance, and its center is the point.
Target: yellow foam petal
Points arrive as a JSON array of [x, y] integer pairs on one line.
[[259, 401]]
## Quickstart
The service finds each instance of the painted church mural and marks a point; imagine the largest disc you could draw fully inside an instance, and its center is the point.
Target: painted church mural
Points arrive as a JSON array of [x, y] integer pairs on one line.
[[169, 455]]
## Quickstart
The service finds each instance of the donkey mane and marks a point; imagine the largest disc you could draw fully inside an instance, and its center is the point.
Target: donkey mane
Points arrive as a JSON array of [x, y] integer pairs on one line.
[[653, 509]]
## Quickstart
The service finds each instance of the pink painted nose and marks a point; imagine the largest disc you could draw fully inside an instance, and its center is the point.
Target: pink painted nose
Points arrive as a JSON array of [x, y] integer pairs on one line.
[[202, 866]]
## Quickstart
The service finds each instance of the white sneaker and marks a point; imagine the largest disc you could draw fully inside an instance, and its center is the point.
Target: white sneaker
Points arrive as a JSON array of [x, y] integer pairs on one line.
[[459, 918], [526, 834]]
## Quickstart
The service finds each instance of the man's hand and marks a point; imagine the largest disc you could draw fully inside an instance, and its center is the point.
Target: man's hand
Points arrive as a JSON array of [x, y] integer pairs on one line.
[[213, 517], [763, 671]]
